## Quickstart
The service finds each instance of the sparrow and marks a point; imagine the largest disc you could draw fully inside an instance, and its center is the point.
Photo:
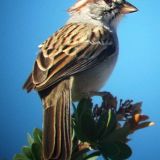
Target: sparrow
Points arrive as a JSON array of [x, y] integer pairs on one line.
[[74, 61]]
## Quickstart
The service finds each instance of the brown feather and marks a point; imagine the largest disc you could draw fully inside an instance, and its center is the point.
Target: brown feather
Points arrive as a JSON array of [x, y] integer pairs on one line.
[[29, 85], [65, 50], [73, 49], [57, 126], [64, 55]]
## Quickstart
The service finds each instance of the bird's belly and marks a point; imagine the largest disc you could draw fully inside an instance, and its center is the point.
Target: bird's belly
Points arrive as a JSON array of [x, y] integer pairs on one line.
[[93, 79]]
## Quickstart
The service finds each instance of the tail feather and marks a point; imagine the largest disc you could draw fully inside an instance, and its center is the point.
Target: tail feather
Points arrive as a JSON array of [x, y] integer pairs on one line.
[[29, 85], [67, 127], [59, 129], [48, 131], [66, 147], [57, 122]]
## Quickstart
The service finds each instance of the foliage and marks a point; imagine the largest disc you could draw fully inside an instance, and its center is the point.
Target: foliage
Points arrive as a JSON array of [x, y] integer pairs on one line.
[[97, 130], [33, 150]]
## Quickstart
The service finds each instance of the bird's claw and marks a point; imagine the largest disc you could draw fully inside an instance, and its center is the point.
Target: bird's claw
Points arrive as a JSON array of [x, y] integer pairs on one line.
[[96, 93]]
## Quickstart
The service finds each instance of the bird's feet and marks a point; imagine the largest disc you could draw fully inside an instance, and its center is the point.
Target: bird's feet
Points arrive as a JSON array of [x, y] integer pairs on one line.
[[108, 98], [97, 93]]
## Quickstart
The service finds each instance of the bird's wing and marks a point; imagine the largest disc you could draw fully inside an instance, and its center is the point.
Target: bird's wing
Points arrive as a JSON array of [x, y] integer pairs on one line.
[[73, 49]]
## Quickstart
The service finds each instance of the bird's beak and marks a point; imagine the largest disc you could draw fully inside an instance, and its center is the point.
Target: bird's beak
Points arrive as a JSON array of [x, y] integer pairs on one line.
[[128, 8]]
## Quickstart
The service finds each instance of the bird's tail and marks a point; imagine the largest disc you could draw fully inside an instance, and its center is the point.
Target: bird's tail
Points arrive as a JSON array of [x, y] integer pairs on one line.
[[56, 140]]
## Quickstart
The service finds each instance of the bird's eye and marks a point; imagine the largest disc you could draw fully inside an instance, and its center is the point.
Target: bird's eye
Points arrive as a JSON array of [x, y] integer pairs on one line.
[[109, 1]]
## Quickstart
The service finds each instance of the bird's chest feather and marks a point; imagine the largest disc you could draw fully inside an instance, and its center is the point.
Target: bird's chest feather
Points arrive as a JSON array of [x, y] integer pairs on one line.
[[93, 79]]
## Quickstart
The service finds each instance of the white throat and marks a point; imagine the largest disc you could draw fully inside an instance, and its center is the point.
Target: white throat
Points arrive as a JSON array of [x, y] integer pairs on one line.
[[84, 17]]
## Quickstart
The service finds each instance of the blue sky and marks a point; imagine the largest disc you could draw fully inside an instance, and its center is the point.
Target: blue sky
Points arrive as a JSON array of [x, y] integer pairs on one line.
[[25, 24]]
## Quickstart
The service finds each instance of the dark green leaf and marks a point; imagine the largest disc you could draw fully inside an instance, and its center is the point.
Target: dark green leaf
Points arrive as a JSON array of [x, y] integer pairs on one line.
[[37, 135], [83, 106], [77, 130], [101, 124], [36, 151], [20, 157], [125, 151], [88, 126], [92, 156], [117, 135], [85, 125], [116, 151], [79, 155], [111, 123], [27, 151], [109, 149], [30, 139]]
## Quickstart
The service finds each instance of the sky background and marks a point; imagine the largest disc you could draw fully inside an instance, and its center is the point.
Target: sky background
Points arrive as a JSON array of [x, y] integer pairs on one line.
[[25, 24]]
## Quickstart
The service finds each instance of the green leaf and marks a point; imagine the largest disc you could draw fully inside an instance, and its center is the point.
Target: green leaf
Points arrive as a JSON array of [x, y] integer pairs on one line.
[[30, 139], [117, 135], [125, 151], [101, 124], [111, 123], [20, 157], [27, 151], [36, 151], [79, 155], [88, 126], [77, 130], [77, 112], [92, 156], [116, 151], [37, 135], [83, 106], [85, 125], [109, 149]]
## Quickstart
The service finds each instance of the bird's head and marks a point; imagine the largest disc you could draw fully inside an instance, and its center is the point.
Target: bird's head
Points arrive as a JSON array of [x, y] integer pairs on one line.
[[106, 11]]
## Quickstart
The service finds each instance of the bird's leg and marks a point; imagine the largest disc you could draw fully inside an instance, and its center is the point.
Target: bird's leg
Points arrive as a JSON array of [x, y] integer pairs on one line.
[[97, 93], [108, 99]]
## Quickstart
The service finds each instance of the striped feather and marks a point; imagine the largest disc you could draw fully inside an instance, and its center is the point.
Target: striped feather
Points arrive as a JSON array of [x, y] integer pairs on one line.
[[76, 47], [72, 49]]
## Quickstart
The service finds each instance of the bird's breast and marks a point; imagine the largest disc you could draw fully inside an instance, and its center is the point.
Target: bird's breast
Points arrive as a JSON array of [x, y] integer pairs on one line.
[[93, 79]]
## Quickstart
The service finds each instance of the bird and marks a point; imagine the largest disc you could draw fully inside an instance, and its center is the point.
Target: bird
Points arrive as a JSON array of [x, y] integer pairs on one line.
[[73, 62]]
